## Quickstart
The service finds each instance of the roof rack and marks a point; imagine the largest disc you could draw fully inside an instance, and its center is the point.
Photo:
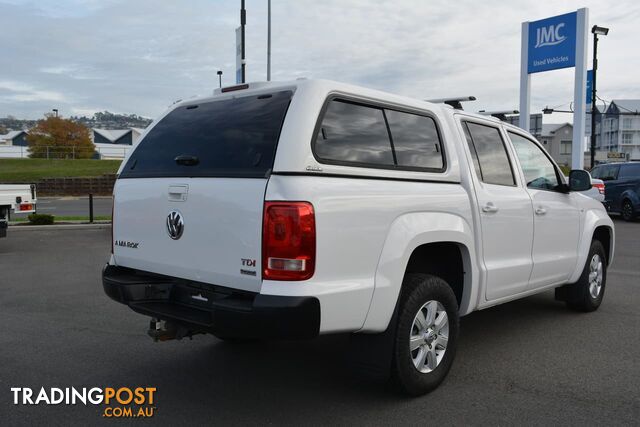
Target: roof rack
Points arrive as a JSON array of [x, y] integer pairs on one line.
[[453, 102], [501, 114]]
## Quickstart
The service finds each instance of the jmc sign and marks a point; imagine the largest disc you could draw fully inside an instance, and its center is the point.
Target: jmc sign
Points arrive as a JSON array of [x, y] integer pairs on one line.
[[550, 44]]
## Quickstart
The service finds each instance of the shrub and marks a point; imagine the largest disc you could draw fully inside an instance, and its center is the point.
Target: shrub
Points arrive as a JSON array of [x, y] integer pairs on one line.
[[41, 219], [58, 138]]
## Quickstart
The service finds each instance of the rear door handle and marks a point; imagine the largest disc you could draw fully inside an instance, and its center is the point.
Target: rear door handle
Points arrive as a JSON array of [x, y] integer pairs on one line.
[[540, 210], [490, 208]]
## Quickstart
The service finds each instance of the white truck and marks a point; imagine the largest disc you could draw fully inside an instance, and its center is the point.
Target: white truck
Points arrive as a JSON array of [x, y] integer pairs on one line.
[[289, 210], [17, 198]]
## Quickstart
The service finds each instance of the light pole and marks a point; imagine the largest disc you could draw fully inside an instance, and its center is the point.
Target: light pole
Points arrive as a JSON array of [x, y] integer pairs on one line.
[[219, 78], [268, 40], [243, 22], [602, 31]]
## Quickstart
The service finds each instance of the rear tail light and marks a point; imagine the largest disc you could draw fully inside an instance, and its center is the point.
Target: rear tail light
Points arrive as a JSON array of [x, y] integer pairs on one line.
[[26, 207], [288, 241], [599, 186]]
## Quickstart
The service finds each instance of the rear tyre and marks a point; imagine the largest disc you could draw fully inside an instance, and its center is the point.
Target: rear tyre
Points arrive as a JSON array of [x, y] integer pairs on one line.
[[587, 293], [426, 334], [627, 212]]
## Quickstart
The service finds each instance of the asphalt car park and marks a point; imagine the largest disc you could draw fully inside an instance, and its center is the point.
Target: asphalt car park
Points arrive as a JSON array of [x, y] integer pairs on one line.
[[531, 361]]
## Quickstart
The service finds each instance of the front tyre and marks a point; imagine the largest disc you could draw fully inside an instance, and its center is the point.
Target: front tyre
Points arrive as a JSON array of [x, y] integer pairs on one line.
[[587, 293], [426, 335]]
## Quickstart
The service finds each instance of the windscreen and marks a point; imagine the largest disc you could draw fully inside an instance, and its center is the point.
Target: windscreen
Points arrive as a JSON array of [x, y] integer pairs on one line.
[[230, 138]]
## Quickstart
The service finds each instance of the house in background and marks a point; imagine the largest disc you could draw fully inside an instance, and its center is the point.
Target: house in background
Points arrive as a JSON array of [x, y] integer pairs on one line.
[[557, 138], [17, 138], [619, 128]]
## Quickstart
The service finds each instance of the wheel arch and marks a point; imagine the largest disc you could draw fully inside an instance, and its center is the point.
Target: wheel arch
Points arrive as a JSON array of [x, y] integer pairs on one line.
[[597, 224], [631, 195], [604, 234], [422, 242], [446, 259]]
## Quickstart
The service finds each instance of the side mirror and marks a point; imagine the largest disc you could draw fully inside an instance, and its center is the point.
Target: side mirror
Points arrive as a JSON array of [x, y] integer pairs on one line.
[[579, 180]]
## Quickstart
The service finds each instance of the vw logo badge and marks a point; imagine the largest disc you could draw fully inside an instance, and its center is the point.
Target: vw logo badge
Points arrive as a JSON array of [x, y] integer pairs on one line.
[[175, 225]]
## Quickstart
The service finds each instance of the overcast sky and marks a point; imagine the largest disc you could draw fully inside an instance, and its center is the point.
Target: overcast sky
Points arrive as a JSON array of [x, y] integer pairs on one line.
[[83, 56]]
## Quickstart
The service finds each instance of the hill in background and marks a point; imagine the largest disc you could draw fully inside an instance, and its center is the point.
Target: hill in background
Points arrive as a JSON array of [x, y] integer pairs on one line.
[[101, 120]]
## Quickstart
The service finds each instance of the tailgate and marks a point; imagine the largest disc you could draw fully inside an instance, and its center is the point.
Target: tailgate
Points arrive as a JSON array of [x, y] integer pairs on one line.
[[203, 229], [188, 202]]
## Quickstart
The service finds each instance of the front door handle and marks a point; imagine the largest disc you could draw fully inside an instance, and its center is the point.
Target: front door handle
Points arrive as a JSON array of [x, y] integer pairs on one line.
[[540, 210], [489, 208]]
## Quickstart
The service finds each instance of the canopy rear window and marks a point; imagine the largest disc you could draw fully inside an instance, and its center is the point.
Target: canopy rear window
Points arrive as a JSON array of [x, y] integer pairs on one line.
[[229, 138]]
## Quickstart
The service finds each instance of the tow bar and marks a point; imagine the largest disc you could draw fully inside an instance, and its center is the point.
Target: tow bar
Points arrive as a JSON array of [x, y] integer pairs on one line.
[[161, 330]]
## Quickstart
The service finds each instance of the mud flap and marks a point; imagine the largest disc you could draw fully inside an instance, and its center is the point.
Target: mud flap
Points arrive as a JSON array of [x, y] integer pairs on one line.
[[370, 356]]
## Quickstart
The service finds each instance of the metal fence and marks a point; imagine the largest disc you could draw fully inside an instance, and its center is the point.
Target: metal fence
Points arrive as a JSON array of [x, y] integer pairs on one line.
[[51, 152]]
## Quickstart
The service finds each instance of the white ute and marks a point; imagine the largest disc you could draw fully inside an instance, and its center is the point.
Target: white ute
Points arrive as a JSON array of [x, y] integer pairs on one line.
[[19, 198], [289, 210]]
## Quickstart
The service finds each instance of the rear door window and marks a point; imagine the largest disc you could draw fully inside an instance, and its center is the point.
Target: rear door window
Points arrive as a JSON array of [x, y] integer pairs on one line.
[[489, 154], [631, 170], [228, 138]]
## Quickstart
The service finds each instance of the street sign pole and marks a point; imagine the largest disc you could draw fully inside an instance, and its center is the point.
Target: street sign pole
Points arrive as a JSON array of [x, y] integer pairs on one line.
[[525, 79], [592, 149], [580, 85]]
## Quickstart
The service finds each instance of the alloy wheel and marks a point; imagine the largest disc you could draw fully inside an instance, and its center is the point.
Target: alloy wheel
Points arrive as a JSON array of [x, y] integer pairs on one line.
[[595, 276], [429, 336]]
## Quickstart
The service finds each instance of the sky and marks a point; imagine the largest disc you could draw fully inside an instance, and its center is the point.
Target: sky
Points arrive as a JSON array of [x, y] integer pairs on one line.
[[139, 56]]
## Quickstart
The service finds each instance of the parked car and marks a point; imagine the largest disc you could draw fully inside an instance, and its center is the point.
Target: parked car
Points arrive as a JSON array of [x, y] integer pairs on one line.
[[289, 210], [17, 198], [622, 187], [597, 190]]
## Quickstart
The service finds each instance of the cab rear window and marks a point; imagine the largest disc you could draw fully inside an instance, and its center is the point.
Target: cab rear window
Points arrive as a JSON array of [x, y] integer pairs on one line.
[[229, 138]]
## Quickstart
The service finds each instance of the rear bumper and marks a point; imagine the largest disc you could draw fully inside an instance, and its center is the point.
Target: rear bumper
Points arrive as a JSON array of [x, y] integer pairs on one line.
[[218, 310]]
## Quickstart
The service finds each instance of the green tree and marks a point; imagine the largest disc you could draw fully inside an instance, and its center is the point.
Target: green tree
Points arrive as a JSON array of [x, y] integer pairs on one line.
[[56, 137], [3, 130]]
